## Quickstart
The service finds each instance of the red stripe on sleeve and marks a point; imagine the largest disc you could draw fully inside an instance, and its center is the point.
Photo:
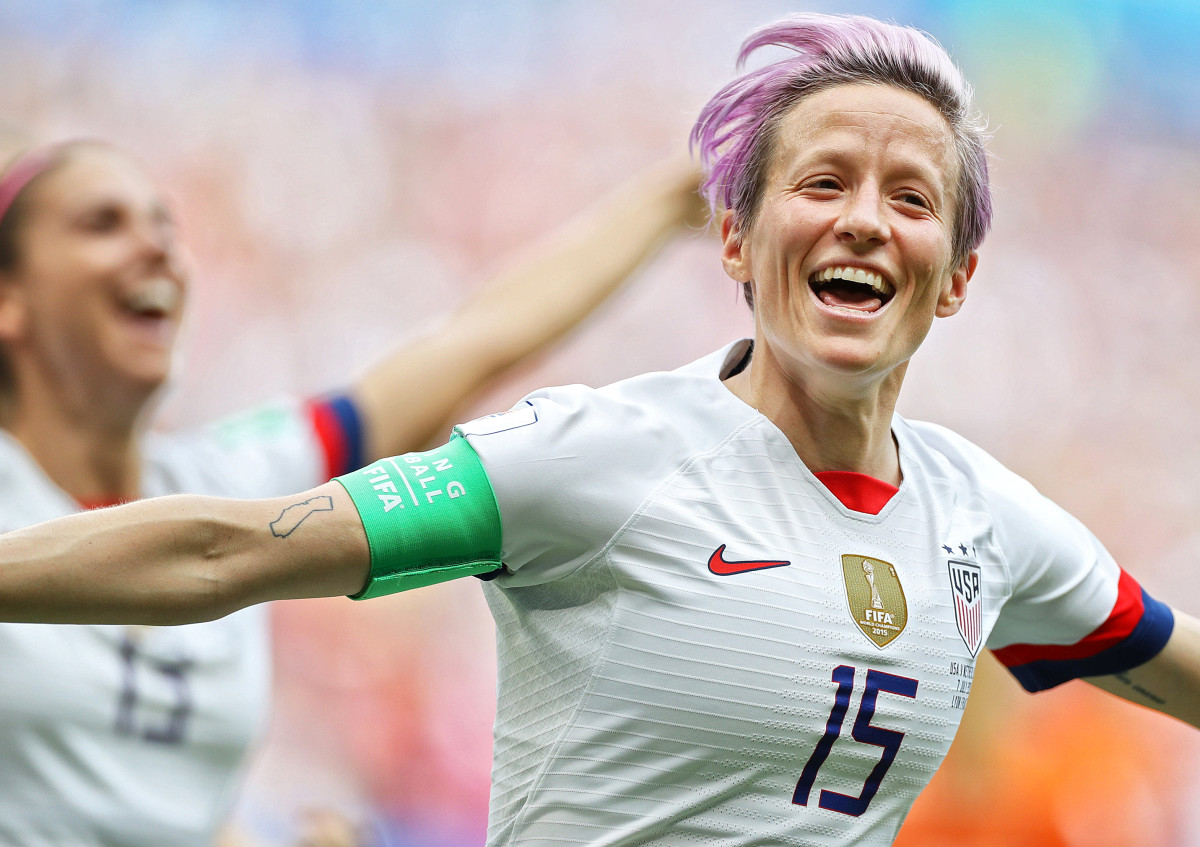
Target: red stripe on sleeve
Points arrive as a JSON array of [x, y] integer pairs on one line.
[[1124, 617], [331, 437]]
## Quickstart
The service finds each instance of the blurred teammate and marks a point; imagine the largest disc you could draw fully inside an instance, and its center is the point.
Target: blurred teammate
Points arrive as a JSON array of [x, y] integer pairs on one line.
[[133, 735], [739, 603]]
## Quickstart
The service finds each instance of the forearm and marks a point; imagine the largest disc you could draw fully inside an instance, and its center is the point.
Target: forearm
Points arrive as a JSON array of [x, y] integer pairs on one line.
[[562, 279], [182, 559], [1168, 683]]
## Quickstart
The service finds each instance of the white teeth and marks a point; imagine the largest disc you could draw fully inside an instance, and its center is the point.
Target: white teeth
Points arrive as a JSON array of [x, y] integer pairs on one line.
[[856, 275], [158, 296]]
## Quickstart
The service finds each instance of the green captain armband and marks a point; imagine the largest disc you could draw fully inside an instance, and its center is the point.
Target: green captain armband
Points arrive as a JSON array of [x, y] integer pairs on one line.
[[429, 517]]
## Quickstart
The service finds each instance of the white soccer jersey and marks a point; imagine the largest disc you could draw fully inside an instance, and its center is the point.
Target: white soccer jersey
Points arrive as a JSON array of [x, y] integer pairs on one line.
[[699, 644], [134, 736]]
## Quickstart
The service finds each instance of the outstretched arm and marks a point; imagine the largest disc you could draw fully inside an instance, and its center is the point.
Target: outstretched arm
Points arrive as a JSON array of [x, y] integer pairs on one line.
[[1168, 683], [183, 559], [405, 399]]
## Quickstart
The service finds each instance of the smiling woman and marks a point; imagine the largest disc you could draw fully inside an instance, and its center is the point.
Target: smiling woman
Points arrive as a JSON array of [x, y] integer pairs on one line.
[[848, 257], [92, 298], [135, 736], [92, 291]]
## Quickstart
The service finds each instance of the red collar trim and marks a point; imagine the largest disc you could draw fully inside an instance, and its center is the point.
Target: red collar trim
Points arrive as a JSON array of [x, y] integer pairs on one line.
[[857, 491], [101, 503]]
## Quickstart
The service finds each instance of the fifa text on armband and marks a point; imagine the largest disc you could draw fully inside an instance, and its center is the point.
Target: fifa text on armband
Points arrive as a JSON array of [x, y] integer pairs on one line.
[[417, 479]]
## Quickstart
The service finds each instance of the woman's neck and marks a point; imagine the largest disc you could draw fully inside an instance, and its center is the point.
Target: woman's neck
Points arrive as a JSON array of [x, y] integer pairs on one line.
[[834, 424], [88, 454]]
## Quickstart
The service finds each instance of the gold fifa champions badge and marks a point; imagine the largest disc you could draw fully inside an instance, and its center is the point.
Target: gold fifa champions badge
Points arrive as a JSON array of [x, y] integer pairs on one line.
[[876, 598]]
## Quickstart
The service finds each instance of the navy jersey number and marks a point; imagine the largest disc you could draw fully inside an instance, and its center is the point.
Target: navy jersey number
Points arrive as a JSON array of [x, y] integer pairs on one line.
[[864, 732], [173, 728]]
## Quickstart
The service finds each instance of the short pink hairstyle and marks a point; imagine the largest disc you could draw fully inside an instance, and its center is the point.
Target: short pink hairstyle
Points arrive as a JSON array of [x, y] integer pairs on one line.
[[737, 131]]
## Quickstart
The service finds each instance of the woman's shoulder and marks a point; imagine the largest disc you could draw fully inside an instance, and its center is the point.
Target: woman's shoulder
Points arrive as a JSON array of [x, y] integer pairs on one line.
[[941, 453], [650, 419]]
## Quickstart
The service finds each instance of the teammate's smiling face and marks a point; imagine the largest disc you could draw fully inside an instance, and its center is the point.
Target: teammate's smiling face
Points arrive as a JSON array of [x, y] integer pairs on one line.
[[850, 253], [97, 293]]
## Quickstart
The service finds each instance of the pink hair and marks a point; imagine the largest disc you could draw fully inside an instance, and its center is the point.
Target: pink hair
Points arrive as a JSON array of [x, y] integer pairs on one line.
[[737, 129]]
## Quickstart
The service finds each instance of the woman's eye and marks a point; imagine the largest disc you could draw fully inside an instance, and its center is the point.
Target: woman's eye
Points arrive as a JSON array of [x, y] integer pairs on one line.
[[103, 220], [824, 184], [914, 199]]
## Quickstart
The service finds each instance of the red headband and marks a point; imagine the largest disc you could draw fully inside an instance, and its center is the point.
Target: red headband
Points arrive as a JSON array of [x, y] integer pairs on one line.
[[22, 171]]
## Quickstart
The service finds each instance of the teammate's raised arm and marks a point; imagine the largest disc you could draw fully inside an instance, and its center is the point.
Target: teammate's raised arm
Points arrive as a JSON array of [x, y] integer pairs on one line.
[[182, 559], [408, 398]]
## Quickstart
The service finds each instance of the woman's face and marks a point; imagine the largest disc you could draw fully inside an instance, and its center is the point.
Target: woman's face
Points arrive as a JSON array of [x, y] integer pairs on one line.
[[99, 288], [850, 254]]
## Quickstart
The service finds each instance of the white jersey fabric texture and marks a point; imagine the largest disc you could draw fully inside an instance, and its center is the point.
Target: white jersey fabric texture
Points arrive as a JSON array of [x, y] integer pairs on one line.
[[136, 736], [699, 644]]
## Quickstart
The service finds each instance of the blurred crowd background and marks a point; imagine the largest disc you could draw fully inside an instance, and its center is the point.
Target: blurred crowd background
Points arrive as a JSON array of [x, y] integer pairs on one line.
[[345, 171]]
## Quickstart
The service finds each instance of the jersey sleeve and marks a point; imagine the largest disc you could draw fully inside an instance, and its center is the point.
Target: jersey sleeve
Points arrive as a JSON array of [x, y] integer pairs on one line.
[[567, 475], [276, 449], [1073, 611], [338, 426]]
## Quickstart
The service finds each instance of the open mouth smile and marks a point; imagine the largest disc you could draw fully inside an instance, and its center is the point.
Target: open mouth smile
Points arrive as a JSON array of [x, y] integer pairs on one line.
[[156, 299], [852, 289]]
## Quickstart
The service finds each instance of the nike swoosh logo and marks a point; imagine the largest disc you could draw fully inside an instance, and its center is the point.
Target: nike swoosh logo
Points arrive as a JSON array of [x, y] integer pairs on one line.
[[721, 567]]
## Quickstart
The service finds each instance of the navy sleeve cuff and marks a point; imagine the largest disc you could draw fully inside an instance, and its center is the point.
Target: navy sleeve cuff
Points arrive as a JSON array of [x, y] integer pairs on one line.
[[1144, 643]]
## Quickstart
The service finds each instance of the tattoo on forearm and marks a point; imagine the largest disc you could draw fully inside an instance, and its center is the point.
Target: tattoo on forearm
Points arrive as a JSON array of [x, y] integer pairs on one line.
[[1125, 679], [294, 515]]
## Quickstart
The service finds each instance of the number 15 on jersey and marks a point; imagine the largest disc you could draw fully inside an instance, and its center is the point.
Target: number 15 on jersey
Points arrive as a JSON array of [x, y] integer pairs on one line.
[[863, 732]]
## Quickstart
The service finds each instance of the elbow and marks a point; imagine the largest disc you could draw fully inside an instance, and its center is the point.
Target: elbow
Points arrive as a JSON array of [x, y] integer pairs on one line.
[[211, 584]]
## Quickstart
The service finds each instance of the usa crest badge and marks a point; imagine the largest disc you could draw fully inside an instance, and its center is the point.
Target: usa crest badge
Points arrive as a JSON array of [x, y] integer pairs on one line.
[[966, 584], [876, 598]]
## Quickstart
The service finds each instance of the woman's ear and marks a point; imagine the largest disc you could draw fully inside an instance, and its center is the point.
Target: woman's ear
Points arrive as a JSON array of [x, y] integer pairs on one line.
[[955, 291], [13, 309], [734, 250]]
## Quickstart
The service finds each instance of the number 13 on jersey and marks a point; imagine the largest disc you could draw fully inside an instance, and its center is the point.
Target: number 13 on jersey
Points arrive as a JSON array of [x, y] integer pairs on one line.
[[863, 731]]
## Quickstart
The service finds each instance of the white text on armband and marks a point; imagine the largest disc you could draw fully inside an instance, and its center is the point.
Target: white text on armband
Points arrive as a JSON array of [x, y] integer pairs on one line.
[[428, 517], [423, 476]]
